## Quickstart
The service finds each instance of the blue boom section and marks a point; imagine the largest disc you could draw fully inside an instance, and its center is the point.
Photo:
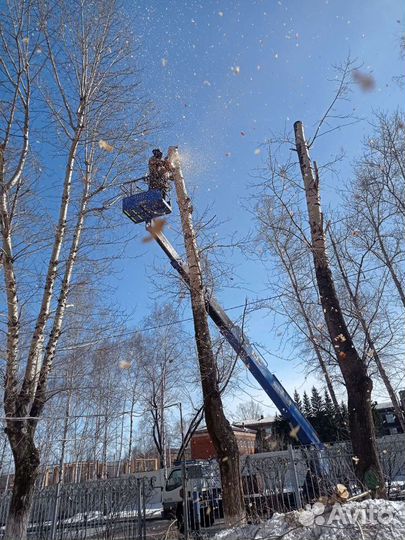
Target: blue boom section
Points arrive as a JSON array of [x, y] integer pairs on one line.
[[240, 344], [268, 381]]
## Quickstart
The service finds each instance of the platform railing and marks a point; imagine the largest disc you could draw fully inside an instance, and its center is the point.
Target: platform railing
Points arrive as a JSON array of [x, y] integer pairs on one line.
[[132, 187]]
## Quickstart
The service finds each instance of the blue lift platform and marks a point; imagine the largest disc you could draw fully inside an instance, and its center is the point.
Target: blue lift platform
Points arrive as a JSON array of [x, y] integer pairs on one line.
[[143, 207]]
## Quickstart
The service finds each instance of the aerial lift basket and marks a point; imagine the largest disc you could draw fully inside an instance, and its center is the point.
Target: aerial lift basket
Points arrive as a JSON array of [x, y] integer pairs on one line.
[[141, 205]]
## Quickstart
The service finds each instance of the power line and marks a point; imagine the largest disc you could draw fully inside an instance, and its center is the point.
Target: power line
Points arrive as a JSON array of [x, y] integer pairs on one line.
[[162, 325], [71, 417]]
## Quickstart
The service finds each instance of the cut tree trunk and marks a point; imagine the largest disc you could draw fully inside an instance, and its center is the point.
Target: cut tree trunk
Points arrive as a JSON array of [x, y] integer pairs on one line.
[[26, 461], [219, 429], [354, 371]]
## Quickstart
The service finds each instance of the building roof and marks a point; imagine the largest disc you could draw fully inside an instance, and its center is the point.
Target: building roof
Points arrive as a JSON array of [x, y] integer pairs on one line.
[[256, 423], [384, 405], [235, 428]]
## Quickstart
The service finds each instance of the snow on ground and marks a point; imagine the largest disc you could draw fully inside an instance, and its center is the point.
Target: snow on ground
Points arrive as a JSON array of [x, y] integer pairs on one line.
[[152, 510], [366, 520]]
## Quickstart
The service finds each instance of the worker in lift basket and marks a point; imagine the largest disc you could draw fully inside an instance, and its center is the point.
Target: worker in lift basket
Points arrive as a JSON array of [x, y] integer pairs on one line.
[[160, 172]]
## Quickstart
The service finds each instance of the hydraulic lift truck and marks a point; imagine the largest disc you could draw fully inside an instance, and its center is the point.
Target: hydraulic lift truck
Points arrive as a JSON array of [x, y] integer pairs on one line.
[[144, 206]]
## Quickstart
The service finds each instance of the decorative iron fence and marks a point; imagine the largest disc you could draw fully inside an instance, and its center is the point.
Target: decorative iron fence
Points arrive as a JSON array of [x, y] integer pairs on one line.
[[287, 480], [102, 509], [279, 482], [116, 508]]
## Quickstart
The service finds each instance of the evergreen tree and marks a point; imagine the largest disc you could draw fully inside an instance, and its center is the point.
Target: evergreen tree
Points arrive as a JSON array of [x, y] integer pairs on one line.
[[297, 400], [306, 405], [330, 419], [318, 417], [328, 406], [344, 413], [343, 423], [317, 405]]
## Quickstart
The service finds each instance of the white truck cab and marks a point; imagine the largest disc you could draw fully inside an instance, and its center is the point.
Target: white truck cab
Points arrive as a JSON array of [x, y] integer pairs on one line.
[[202, 488]]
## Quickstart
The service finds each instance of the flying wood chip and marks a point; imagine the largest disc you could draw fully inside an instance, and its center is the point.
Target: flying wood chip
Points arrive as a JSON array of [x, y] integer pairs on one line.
[[340, 338], [105, 146], [294, 432], [156, 227], [342, 492], [125, 364], [364, 80]]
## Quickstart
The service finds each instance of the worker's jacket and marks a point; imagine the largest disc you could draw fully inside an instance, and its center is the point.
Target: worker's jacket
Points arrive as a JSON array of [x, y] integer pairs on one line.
[[160, 173]]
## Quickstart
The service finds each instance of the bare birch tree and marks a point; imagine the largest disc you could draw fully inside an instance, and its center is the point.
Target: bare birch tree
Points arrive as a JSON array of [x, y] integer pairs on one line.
[[359, 305], [378, 196], [76, 60], [282, 232], [162, 367]]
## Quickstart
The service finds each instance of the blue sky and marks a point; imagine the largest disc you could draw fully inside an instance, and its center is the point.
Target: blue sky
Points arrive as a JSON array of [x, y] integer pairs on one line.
[[224, 76]]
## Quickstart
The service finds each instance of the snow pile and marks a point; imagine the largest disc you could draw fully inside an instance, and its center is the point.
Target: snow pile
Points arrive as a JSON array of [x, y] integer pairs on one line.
[[366, 520]]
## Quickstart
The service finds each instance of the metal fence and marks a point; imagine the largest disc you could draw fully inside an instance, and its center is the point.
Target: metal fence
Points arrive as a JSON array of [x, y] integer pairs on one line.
[[82, 471], [288, 480], [116, 508], [102, 509]]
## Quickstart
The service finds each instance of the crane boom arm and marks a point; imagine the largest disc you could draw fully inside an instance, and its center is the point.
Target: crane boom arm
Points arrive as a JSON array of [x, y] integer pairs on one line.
[[239, 342]]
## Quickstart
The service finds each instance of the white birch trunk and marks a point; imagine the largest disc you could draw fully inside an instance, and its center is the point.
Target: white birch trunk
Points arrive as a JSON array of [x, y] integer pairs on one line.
[[13, 318], [33, 363]]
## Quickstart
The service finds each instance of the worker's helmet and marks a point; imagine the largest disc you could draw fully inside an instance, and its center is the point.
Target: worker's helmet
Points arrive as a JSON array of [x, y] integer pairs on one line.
[[157, 153]]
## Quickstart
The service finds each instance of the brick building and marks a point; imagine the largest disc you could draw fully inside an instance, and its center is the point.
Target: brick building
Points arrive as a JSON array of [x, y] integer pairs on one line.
[[202, 447]]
